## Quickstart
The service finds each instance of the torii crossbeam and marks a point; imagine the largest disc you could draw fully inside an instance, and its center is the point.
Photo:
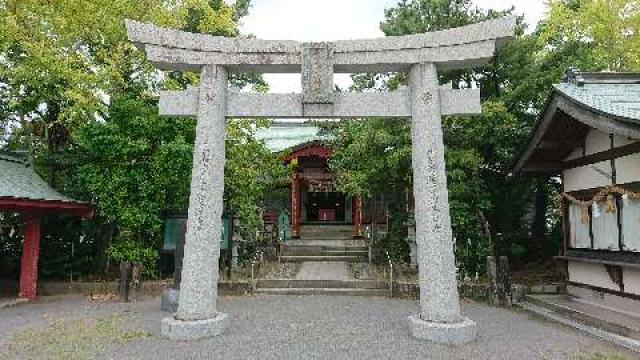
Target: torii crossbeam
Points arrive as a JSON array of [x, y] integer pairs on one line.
[[425, 102]]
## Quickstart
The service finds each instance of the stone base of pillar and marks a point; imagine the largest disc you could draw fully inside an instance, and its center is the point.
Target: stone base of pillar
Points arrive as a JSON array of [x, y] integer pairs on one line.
[[443, 333], [169, 300], [175, 329]]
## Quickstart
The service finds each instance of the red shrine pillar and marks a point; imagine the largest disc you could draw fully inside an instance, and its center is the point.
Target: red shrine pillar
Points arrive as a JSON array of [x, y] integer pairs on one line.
[[357, 216], [295, 205], [30, 254]]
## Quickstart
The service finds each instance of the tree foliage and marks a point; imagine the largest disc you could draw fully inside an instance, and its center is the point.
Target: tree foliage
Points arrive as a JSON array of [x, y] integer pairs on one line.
[[611, 28], [491, 212], [77, 94]]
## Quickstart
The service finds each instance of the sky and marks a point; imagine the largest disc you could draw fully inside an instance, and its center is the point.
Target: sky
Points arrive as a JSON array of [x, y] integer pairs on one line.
[[325, 20]]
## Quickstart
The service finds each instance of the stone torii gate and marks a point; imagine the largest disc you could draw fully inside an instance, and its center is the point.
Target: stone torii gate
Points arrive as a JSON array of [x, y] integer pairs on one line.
[[422, 56]]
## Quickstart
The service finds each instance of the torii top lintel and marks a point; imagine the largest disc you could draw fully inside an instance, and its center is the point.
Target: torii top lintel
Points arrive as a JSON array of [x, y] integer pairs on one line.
[[456, 48]]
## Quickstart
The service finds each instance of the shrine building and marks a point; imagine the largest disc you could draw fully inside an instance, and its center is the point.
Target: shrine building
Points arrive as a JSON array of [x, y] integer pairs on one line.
[[313, 197], [589, 136]]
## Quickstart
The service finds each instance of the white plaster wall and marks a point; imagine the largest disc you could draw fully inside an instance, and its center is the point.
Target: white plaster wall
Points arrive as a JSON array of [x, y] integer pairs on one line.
[[631, 278], [576, 153], [597, 141], [628, 169], [622, 141], [590, 274], [587, 177]]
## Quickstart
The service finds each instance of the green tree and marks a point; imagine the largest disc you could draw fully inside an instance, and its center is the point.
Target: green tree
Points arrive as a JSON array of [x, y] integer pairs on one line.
[[479, 150], [252, 174], [137, 165], [134, 166], [76, 93], [611, 28]]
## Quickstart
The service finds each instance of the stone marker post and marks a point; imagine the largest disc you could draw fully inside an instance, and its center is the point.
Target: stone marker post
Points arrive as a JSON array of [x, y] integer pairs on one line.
[[135, 287], [197, 315], [123, 283], [500, 281], [439, 319], [170, 297]]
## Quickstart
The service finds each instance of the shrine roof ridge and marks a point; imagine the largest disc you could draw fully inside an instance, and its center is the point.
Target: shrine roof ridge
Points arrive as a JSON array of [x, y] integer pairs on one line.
[[143, 34]]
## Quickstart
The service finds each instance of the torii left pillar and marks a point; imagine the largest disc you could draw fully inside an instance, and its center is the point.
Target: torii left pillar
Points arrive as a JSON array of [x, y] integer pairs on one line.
[[30, 255]]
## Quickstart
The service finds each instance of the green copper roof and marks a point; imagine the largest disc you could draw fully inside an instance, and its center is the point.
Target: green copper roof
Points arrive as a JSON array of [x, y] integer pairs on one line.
[[282, 136], [612, 94], [18, 180]]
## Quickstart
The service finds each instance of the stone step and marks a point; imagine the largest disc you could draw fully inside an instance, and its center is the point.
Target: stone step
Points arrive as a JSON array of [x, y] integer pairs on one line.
[[325, 245], [625, 342], [334, 227], [320, 284], [324, 291], [362, 254], [327, 232], [298, 258], [319, 250], [604, 319], [325, 238], [332, 243]]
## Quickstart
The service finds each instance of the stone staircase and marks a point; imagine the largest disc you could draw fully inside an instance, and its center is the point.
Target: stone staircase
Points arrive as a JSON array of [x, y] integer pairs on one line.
[[324, 252], [323, 287], [324, 243], [619, 328], [326, 232]]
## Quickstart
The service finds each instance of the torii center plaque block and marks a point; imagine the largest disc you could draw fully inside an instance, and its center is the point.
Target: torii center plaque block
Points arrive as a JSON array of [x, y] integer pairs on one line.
[[421, 56]]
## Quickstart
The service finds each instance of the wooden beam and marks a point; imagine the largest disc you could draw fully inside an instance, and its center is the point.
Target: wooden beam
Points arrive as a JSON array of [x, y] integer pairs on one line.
[[542, 168], [552, 167], [558, 144], [543, 124], [578, 112], [603, 156], [43, 206]]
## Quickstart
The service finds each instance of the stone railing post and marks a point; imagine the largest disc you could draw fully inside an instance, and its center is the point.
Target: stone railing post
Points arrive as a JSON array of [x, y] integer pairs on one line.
[[439, 319], [123, 283], [197, 315]]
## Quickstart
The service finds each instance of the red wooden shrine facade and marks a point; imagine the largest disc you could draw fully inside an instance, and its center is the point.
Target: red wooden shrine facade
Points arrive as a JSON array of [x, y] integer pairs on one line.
[[314, 197]]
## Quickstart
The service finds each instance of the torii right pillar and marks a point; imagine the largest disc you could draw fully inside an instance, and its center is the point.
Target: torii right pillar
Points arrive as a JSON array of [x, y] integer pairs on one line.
[[439, 319]]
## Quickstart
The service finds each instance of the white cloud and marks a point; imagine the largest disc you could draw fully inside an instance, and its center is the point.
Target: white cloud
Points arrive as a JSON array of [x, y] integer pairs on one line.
[[313, 20]]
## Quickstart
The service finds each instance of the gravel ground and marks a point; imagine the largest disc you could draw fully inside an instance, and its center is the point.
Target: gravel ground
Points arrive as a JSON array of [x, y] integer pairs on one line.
[[291, 327]]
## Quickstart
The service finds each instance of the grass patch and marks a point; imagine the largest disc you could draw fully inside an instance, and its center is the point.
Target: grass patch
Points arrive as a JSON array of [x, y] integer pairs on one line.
[[276, 270], [602, 356], [366, 271], [68, 340]]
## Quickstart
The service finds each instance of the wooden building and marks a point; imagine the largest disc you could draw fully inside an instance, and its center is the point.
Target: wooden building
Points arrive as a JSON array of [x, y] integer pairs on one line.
[[23, 191], [589, 135], [313, 197]]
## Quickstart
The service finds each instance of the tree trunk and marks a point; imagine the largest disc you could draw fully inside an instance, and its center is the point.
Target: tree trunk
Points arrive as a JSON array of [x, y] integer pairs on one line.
[[539, 224]]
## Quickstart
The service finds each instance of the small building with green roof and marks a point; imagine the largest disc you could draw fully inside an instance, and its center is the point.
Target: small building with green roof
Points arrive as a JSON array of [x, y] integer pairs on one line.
[[23, 191], [589, 136]]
